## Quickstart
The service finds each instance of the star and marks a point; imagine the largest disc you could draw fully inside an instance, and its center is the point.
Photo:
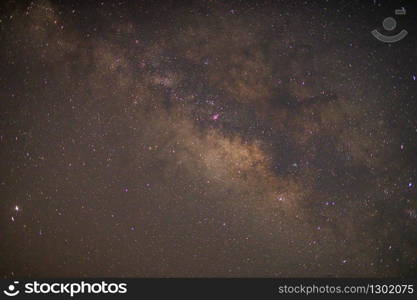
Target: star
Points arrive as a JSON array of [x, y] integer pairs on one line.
[[215, 117]]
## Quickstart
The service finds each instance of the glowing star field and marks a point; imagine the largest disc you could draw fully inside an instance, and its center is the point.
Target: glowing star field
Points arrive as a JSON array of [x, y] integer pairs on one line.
[[206, 139]]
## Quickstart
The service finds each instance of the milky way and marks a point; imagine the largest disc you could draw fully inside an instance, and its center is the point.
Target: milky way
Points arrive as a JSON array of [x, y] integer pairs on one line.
[[213, 138]]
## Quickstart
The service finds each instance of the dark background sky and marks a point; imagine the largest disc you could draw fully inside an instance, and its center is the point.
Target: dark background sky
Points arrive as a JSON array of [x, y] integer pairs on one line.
[[207, 138]]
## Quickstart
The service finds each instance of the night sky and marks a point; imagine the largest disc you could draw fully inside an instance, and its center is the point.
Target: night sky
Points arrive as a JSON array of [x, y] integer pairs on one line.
[[207, 139]]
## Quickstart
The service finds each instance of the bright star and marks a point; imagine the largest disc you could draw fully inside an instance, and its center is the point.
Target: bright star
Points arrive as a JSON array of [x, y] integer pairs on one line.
[[215, 117]]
